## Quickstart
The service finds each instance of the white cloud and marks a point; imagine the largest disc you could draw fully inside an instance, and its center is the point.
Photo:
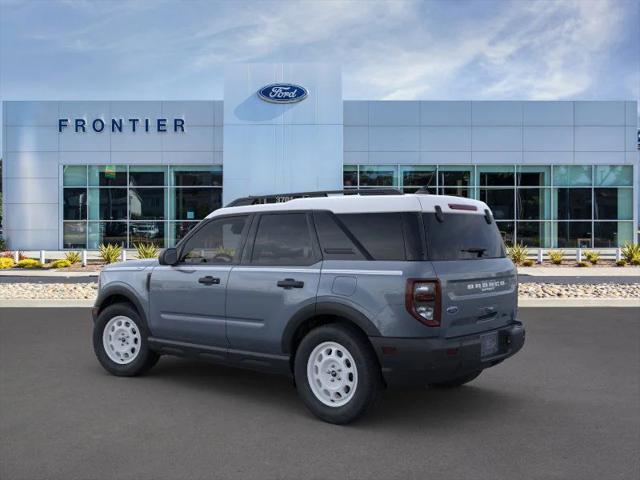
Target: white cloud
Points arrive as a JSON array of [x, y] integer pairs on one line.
[[392, 49]]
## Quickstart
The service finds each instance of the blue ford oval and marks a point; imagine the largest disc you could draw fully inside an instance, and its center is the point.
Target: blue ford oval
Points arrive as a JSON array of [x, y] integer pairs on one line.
[[283, 93]]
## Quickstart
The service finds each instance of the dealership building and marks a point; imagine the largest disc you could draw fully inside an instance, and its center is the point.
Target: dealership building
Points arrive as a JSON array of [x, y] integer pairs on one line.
[[80, 173]]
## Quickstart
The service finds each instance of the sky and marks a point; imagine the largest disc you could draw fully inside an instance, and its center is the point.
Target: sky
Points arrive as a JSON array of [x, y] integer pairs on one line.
[[452, 49]]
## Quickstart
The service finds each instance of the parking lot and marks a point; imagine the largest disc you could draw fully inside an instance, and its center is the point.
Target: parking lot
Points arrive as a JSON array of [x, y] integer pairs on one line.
[[566, 407]]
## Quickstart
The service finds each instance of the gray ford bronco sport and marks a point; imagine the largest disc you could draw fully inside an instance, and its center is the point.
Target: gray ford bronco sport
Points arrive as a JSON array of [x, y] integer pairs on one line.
[[346, 293]]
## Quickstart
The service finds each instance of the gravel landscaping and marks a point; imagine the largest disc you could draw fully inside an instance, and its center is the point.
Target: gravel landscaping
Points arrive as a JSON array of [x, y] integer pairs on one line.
[[88, 290], [48, 291], [586, 290]]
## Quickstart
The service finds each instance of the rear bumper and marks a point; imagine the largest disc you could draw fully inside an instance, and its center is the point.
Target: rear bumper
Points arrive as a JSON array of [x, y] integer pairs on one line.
[[421, 361]]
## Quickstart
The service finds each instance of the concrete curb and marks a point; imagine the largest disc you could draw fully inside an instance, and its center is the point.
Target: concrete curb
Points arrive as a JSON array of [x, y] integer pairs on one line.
[[46, 303], [45, 273], [610, 272]]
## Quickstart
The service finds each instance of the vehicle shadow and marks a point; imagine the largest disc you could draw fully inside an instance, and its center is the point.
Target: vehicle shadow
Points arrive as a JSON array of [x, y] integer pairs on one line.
[[406, 409]]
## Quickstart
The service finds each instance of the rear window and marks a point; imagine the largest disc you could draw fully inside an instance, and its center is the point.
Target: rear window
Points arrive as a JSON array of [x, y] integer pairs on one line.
[[462, 236]]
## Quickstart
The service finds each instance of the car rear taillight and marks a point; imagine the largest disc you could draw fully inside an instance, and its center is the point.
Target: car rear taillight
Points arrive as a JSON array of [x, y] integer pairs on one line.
[[422, 299]]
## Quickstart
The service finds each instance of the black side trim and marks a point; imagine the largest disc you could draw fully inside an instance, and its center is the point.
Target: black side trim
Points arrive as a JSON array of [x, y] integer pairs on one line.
[[119, 289], [267, 362], [326, 308]]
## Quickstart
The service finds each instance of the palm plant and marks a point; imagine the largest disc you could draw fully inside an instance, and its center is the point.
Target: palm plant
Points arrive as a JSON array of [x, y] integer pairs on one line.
[[110, 252]]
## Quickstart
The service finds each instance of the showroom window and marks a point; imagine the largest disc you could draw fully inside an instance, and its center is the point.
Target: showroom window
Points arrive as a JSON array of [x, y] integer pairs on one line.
[[132, 204], [551, 206]]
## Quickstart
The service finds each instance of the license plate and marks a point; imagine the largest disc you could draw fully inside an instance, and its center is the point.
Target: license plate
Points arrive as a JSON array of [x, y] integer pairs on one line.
[[489, 344]]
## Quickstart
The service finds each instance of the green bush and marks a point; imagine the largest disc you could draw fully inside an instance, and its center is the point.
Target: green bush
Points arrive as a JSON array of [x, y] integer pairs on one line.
[[3, 244], [29, 263], [110, 253], [556, 256], [147, 250], [592, 257], [621, 263], [61, 263], [73, 257], [528, 263], [518, 253], [582, 263], [6, 262], [631, 253]]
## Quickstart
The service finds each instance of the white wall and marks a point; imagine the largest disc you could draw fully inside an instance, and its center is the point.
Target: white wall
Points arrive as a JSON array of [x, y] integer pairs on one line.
[[271, 148], [34, 152], [428, 132]]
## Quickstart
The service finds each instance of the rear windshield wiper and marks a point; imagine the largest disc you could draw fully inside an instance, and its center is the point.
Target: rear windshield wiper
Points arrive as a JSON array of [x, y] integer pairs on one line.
[[478, 250]]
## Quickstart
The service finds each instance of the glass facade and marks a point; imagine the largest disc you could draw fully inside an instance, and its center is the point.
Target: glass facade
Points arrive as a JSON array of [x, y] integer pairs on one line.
[[130, 204], [550, 206]]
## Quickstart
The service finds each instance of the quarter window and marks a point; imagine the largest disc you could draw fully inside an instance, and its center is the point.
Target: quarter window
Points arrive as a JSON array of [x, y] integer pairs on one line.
[[379, 233], [334, 242], [216, 243], [283, 239]]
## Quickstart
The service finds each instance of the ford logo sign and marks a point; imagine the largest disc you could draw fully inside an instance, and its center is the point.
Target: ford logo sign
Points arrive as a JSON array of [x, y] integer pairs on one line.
[[283, 93]]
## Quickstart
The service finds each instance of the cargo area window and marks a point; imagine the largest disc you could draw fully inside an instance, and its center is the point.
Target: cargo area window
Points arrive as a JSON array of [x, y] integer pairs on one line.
[[462, 236]]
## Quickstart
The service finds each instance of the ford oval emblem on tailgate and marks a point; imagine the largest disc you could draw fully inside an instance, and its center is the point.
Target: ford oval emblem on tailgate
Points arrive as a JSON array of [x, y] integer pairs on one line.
[[452, 310]]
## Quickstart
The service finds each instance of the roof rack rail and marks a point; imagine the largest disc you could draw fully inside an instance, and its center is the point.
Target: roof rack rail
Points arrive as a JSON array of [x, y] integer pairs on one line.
[[285, 197]]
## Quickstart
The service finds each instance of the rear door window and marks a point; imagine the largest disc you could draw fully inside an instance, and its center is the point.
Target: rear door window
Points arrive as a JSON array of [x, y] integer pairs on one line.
[[283, 239], [462, 236]]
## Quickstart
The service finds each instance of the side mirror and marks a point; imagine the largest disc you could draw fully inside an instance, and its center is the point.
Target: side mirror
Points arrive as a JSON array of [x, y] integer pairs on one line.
[[168, 256]]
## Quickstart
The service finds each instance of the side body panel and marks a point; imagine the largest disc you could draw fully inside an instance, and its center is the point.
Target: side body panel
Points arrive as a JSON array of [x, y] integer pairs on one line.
[[377, 290], [184, 309], [129, 280], [258, 310]]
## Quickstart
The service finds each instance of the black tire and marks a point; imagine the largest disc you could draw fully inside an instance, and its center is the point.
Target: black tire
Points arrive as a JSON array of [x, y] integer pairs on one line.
[[145, 358], [458, 381], [369, 379]]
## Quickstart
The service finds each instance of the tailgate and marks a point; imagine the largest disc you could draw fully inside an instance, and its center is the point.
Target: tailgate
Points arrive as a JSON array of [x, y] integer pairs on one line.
[[477, 295]]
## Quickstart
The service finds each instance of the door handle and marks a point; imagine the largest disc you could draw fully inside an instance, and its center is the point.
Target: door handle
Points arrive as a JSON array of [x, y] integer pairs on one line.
[[209, 280], [290, 283]]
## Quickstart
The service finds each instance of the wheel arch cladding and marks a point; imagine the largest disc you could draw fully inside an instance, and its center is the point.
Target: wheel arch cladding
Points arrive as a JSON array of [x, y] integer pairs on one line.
[[119, 294], [323, 313]]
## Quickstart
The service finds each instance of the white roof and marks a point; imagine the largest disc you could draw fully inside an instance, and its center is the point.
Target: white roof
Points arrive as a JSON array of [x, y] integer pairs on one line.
[[364, 204]]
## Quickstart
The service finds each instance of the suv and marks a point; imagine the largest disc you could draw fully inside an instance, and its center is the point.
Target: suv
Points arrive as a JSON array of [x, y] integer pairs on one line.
[[346, 293]]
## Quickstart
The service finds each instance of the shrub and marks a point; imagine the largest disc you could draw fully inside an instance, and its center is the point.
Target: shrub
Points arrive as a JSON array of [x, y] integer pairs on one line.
[[517, 253], [9, 254], [6, 262], [556, 256], [73, 257], [631, 252], [61, 263], [635, 261], [582, 263], [3, 244], [592, 257], [29, 263], [621, 263], [110, 252], [528, 263], [147, 250]]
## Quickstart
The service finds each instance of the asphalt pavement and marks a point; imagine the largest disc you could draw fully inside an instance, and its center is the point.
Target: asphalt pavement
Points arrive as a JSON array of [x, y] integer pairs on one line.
[[565, 407]]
